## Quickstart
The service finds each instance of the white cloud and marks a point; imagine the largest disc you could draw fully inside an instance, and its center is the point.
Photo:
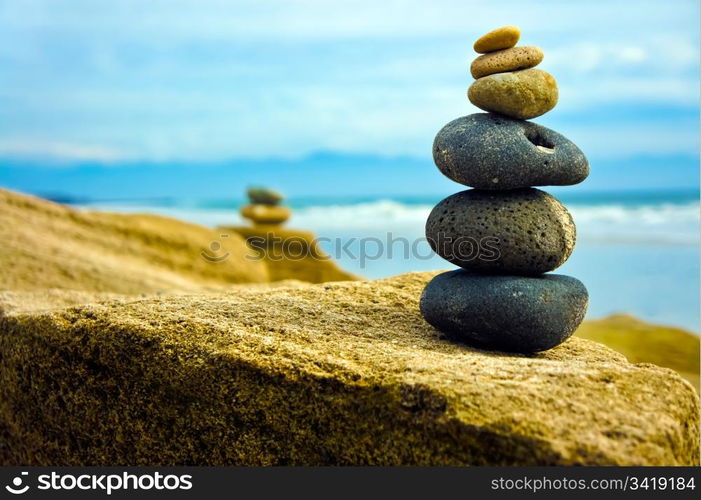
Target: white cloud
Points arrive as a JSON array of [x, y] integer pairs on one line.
[[318, 19], [647, 138], [28, 148], [613, 91], [632, 54], [206, 79], [669, 56]]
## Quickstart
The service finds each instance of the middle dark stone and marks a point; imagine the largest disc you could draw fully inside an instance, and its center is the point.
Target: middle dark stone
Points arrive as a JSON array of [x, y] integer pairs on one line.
[[489, 151], [523, 231]]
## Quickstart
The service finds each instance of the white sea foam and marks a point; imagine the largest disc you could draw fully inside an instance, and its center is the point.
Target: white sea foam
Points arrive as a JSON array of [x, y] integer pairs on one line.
[[664, 223], [606, 223], [382, 215]]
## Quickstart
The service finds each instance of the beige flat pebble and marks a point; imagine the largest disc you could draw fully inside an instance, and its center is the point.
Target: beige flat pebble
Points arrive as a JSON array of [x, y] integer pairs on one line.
[[498, 39], [505, 60], [265, 214], [519, 94]]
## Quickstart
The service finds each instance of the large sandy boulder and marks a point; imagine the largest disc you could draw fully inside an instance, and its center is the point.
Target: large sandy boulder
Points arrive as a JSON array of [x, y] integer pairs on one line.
[[337, 373], [642, 342], [290, 253], [46, 245]]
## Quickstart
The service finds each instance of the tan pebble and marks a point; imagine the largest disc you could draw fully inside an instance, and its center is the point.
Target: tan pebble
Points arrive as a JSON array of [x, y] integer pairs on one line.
[[266, 214], [505, 60], [500, 38], [519, 94]]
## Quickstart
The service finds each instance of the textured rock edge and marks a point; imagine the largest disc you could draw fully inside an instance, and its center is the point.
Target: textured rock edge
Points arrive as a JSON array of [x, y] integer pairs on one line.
[[79, 390]]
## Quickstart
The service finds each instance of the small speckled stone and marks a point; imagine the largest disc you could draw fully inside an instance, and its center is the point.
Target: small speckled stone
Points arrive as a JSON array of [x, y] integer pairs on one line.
[[490, 151], [506, 60], [519, 94], [500, 38], [507, 313], [523, 231]]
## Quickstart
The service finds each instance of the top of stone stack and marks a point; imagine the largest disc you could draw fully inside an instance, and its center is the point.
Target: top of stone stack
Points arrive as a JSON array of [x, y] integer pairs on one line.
[[501, 150], [265, 207], [506, 79], [498, 39], [264, 196]]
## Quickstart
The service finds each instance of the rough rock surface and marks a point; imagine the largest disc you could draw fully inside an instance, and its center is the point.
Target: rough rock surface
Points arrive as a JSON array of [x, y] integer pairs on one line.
[[290, 254], [521, 154], [502, 61], [342, 373], [521, 94], [47, 245], [522, 231], [510, 313], [642, 342]]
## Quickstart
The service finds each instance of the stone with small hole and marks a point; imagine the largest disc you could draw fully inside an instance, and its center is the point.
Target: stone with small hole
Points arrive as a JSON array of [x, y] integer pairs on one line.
[[476, 149]]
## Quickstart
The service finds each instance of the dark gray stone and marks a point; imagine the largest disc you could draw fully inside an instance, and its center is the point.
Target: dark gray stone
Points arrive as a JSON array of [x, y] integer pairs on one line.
[[506, 313], [523, 231], [263, 196], [490, 151]]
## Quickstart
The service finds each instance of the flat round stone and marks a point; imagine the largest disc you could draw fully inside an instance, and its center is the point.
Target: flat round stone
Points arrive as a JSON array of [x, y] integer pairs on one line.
[[265, 214], [490, 151], [506, 313], [502, 61], [500, 38], [523, 231], [519, 94]]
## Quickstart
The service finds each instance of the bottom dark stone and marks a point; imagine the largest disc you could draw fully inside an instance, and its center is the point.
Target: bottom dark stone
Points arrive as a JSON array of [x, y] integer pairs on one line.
[[507, 313]]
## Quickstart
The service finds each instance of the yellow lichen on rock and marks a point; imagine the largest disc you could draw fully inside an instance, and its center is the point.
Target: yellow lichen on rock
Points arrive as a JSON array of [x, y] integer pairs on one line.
[[338, 373]]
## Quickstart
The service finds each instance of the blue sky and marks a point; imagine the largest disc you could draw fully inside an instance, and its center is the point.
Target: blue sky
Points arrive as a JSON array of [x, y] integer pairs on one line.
[[116, 82]]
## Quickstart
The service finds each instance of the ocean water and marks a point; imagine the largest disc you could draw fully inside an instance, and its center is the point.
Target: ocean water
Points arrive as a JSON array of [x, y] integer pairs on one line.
[[637, 252]]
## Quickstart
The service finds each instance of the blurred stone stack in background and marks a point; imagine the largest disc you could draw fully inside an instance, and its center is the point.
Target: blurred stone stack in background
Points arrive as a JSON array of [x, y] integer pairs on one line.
[[264, 207], [287, 253]]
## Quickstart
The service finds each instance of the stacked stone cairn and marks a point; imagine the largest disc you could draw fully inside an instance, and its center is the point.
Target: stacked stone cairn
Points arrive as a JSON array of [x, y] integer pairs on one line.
[[265, 207], [504, 233]]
